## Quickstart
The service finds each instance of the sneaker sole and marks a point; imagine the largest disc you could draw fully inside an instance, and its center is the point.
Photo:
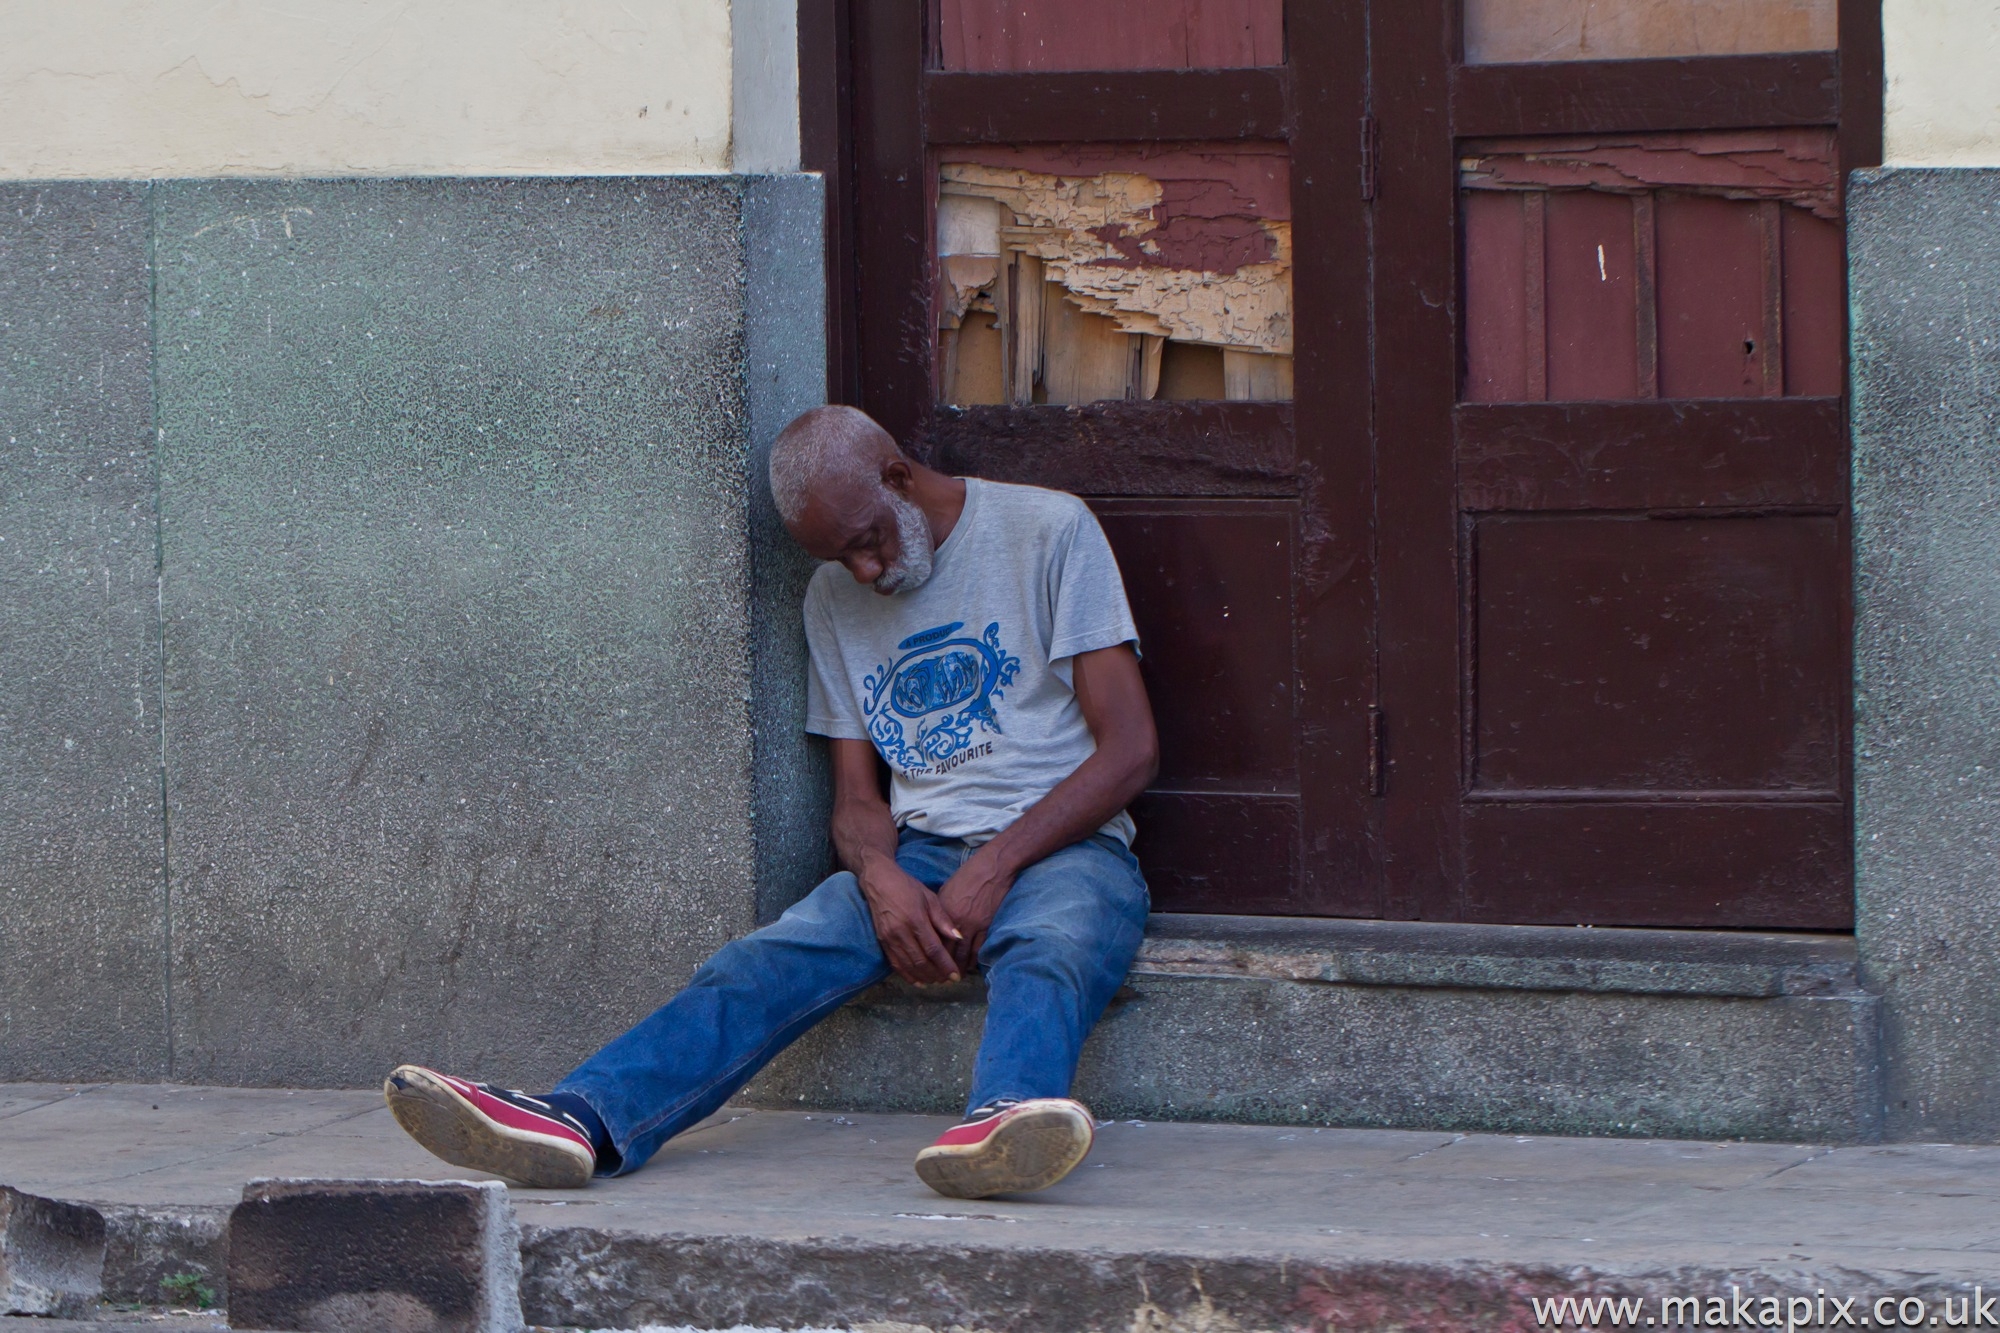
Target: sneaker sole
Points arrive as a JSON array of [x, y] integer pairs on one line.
[[1030, 1152], [448, 1127]]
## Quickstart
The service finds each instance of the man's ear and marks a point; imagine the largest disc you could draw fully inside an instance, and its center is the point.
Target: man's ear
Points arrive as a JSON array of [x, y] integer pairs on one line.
[[898, 476]]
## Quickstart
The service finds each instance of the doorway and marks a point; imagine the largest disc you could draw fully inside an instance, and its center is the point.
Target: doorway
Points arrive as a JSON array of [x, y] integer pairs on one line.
[[1461, 387]]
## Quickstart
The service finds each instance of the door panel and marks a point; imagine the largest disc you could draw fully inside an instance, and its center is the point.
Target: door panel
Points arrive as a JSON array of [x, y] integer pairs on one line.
[[1210, 584], [1093, 259], [1765, 866], [1645, 607], [1713, 336], [1678, 265], [1815, 311], [1213, 852], [1591, 298], [1651, 657]]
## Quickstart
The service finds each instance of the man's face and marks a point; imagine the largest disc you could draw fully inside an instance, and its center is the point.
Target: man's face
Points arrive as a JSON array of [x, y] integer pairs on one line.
[[880, 536]]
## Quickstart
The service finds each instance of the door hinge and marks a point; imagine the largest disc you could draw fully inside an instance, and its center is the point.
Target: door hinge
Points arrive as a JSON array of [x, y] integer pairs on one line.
[[1371, 153], [1378, 751]]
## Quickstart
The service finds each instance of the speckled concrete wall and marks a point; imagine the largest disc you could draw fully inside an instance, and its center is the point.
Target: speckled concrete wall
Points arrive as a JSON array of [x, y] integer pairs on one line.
[[458, 565], [785, 370], [81, 991], [1924, 257]]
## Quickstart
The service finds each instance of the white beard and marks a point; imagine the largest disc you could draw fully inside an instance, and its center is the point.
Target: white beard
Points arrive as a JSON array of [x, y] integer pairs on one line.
[[913, 534]]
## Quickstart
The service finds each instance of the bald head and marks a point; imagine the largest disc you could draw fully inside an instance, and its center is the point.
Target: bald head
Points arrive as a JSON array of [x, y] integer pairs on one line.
[[827, 449], [845, 492]]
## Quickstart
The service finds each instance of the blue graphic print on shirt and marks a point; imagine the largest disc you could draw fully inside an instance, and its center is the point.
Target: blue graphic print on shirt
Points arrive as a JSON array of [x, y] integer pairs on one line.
[[923, 706]]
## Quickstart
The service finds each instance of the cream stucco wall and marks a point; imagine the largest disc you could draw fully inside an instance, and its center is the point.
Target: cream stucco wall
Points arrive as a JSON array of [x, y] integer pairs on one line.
[[1942, 93], [125, 88], [110, 88]]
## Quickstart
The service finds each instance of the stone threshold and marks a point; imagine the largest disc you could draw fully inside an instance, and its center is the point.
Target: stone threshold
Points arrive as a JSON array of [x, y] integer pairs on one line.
[[1524, 1029], [1488, 957]]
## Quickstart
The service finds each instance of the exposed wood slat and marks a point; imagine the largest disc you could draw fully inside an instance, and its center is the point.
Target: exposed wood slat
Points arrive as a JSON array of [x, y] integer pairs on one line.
[[1118, 448], [1646, 289], [1101, 107], [1535, 318], [1766, 453], [1614, 96]]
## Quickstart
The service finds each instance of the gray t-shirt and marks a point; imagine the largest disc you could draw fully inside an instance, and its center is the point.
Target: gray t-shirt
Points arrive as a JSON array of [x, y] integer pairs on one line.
[[964, 685]]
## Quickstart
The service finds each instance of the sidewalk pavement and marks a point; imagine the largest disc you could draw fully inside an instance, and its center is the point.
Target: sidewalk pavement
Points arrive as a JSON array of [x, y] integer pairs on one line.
[[790, 1218]]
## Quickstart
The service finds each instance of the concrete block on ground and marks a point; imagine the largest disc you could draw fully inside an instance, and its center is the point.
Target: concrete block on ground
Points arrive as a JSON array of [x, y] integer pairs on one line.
[[585, 1278], [51, 1255], [375, 1256]]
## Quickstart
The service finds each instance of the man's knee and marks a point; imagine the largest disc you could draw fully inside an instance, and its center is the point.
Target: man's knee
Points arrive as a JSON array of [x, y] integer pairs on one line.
[[834, 916], [1077, 897], [1073, 948], [834, 901]]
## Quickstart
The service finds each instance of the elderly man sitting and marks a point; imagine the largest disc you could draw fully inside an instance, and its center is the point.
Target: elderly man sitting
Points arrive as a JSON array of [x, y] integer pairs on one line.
[[975, 636]]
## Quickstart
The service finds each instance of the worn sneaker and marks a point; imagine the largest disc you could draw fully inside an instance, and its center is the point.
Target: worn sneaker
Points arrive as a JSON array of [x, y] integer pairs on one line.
[[1008, 1148], [491, 1129]]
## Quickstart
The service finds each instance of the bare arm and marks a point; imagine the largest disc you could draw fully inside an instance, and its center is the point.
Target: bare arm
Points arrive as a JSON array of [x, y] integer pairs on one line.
[[916, 932], [1113, 699]]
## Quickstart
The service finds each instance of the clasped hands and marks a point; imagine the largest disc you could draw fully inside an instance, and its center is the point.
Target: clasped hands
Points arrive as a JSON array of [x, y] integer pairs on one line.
[[930, 938]]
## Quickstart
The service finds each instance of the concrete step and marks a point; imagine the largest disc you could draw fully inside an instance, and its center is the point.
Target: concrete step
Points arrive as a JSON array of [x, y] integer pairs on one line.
[[1409, 1025], [793, 1218]]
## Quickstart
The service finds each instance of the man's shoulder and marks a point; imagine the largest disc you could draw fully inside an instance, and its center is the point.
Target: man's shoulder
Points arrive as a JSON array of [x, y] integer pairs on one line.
[[1034, 504], [828, 581]]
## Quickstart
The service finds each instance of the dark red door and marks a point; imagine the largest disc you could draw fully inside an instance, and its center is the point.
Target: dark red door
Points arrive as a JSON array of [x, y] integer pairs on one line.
[[1466, 414], [1613, 463]]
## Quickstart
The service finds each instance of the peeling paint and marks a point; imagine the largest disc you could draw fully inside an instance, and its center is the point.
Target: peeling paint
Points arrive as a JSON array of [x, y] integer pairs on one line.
[[1194, 255], [1796, 166], [1197, 249]]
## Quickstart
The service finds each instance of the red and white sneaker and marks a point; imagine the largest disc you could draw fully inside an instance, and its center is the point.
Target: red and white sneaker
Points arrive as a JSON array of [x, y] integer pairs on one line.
[[1008, 1148], [491, 1129]]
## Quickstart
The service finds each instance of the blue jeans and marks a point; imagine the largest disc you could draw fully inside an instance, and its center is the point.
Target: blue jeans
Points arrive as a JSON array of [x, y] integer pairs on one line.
[[1057, 951]]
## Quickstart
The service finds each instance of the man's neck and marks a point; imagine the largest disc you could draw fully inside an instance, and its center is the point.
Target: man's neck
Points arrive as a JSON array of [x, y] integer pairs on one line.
[[941, 498]]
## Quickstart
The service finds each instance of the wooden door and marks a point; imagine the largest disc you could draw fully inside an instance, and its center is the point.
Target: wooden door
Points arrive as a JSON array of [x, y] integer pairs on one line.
[[1613, 459], [1529, 602], [1119, 247]]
